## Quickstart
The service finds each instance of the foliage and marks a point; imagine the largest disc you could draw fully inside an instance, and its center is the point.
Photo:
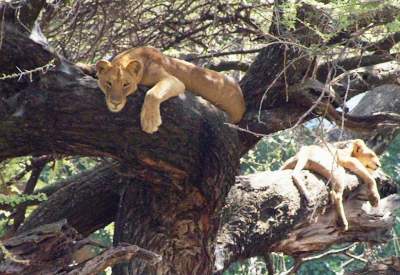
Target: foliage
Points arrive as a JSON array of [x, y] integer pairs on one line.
[[14, 174]]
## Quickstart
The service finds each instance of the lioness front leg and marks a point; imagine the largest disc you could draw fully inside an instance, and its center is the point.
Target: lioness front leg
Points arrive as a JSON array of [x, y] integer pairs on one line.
[[355, 166], [166, 88]]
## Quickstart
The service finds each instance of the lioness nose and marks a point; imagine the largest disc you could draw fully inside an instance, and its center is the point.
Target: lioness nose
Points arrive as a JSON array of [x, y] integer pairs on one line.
[[115, 103]]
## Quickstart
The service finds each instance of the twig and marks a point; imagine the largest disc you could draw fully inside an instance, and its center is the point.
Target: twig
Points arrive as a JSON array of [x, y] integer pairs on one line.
[[301, 261], [37, 165], [42, 69], [224, 54], [355, 257]]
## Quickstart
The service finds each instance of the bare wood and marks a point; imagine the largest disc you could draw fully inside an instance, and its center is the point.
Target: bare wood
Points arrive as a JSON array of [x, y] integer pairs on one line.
[[113, 256]]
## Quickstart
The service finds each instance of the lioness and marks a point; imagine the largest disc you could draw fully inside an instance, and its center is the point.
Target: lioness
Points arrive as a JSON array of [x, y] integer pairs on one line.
[[169, 77], [329, 161]]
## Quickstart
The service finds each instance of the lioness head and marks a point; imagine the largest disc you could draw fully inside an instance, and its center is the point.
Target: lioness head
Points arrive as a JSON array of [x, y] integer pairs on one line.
[[117, 81], [365, 155]]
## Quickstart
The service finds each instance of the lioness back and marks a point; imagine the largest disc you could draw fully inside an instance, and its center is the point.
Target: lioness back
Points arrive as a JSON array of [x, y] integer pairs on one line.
[[221, 90]]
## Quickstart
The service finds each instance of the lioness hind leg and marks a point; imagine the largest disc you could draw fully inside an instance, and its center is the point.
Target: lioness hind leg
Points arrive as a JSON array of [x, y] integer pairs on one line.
[[337, 196], [302, 159], [300, 185], [338, 201]]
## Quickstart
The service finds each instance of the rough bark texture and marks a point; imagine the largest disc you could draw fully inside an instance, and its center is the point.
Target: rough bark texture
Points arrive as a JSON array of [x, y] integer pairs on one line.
[[46, 249], [276, 219], [113, 256]]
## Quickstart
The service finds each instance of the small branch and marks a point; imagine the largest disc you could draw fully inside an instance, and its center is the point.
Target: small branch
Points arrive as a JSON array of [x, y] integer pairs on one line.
[[385, 44], [376, 17], [353, 63], [115, 255], [37, 165], [374, 122], [371, 123], [358, 258], [26, 12], [388, 266], [42, 69], [301, 261], [229, 65], [191, 58]]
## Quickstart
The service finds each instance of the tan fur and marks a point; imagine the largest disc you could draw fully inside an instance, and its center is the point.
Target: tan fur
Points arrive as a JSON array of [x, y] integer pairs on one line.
[[169, 78], [330, 161], [88, 69]]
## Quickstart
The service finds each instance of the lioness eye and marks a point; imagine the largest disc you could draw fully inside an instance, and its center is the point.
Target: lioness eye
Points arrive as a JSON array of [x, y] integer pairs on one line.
[[108, 83], [126, 85]]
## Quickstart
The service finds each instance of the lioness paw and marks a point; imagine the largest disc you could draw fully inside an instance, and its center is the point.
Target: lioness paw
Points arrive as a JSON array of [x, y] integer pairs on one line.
[[150, 120], [374, 198]]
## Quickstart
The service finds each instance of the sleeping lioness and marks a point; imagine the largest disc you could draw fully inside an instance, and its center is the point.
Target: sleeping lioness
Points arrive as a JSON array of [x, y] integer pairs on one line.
[[169, 77], [330, 161]]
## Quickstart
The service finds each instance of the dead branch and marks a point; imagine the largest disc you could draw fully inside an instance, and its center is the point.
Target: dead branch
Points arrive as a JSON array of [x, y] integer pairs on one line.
[[47, 248], [112, 256]]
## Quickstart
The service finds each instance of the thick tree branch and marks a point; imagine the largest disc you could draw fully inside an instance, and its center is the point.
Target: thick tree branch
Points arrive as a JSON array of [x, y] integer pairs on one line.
[[273, 204], [50, 249], [88, 202], [46, 249], [376, 122], [354, 82], [343, 65]]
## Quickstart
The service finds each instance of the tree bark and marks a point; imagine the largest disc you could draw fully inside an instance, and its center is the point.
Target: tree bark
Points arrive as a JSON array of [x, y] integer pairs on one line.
[[264, 212], [46, 249]]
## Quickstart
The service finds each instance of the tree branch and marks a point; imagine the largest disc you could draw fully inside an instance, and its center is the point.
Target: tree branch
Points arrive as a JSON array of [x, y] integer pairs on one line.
[[385, 44], [384, 99], [273, 204], [229, 65], [113, 256], [37, 167], [46, 249], [23, 14], [343, 65], [373, 18]]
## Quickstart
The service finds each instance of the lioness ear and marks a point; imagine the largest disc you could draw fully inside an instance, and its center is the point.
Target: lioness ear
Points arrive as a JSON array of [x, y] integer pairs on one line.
[[102, 66], [358, 145], [134, 67]]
